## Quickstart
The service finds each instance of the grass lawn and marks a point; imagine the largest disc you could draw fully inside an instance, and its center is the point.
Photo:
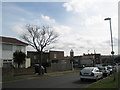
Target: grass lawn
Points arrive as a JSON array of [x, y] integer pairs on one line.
[[107, 82], [11, 79]]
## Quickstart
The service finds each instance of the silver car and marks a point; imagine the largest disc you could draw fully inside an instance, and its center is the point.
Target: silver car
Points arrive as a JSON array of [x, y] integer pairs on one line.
[[105, 71], [90, 73], [110, 68]]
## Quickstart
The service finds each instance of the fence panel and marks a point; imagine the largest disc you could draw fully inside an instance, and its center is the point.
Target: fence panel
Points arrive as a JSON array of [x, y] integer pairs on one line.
[[60, 67]]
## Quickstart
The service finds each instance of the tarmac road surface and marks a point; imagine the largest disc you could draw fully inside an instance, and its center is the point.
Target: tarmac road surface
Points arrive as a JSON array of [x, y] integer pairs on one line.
[[63, 81]]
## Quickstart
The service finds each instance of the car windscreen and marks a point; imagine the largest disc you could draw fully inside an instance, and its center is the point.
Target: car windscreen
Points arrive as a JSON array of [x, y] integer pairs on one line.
[[109, 67], [101, 69], [87, 69]]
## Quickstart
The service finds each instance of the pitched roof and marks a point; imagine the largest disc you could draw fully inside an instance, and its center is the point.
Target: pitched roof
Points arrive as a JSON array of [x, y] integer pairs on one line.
[[11, 40], [57, 51]]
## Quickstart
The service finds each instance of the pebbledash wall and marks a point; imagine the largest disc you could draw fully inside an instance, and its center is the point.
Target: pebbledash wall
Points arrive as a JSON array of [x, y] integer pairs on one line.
[[8, 50], [1, 61], [8, 47]]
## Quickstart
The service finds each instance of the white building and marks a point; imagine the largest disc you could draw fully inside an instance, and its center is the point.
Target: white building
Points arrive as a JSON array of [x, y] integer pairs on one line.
[[7, 47]]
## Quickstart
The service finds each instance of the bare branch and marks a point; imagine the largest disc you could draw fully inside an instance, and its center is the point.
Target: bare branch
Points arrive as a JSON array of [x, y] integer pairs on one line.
[[39, 37]]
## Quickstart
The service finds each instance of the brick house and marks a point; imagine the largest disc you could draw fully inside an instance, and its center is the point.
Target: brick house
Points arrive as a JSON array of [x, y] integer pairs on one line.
[[33, 55], [51, 56], [90, 59], [55, 59]]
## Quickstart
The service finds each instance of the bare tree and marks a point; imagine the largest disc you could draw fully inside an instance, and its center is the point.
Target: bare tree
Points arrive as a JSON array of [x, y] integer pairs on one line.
[[39, 38]]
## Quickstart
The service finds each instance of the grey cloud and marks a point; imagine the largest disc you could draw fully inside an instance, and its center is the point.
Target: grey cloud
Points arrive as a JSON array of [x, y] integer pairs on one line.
[[115, 42]]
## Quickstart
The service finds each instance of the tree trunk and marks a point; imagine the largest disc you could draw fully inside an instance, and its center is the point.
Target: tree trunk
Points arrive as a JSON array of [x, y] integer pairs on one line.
[[18, 65], [40, 62]]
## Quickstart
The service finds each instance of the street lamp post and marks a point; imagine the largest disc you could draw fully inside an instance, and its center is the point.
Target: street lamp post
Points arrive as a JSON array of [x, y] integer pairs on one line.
[[112, 52]]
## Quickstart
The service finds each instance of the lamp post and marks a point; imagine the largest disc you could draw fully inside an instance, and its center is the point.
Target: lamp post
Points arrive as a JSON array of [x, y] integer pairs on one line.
[[112, 52]]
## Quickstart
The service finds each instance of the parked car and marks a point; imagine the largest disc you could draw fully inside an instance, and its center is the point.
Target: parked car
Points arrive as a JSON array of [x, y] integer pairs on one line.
[[118, 64], [90, 73], [37, 68], [110, 68], [104, 70]]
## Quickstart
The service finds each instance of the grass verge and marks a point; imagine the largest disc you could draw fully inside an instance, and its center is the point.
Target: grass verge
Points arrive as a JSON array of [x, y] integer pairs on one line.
[[11, 79], [107, 82]]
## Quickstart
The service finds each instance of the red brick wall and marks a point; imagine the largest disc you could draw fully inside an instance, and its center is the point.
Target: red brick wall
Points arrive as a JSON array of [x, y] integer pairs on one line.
[[58, 54]]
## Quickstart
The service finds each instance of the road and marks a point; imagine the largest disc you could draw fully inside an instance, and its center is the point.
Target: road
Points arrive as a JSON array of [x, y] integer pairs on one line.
[[63, 81]]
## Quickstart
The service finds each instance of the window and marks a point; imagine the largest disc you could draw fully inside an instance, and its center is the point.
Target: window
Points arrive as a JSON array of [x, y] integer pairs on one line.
[[54, 61], [35, 57], [4, 60], [7, 47], [10, 60], [55, 56], [97, 70]]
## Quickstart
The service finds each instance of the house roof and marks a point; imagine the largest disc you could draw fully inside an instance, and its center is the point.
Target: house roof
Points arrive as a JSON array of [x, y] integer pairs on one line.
[[56, 51], [87, 57], [11, 40]]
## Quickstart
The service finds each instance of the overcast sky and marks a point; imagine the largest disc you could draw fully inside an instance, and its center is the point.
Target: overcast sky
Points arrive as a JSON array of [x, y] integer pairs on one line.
[[80, 23]]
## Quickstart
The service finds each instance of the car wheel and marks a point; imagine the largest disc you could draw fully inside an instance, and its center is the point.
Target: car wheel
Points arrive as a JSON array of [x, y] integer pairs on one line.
[[101, 77], [96, 79], [82, 79]]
